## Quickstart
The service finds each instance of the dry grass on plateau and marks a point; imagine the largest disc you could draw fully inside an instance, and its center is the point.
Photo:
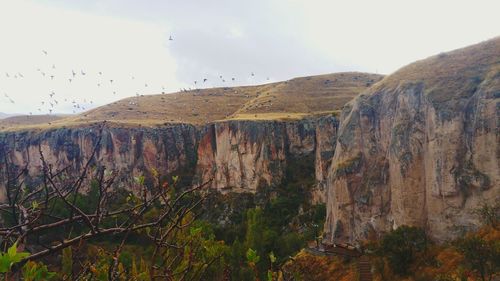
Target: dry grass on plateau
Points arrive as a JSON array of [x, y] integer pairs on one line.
[[289, 100], [452, 75]]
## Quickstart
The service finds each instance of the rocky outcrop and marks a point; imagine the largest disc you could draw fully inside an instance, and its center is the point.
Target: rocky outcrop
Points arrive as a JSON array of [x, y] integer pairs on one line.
[[420, 148], [243, 155], [129, 151], [326, 138], [240, 156]]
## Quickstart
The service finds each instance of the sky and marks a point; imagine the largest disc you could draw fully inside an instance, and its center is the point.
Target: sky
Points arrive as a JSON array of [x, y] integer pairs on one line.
[[112, 49]]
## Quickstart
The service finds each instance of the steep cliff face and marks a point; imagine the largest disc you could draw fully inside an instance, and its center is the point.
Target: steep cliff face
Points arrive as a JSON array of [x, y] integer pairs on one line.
[[130, 151], [419, 148], [239, 156], [241, 137], [243, 155]]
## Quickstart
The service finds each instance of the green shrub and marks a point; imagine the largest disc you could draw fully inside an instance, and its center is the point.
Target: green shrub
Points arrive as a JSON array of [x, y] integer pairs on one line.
[[489, 215], [481, 256], [401, 246]]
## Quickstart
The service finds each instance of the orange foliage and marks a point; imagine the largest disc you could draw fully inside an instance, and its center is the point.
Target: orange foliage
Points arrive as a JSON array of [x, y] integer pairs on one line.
[[489, 233], [448, 264], [310, 267], [439, 262]]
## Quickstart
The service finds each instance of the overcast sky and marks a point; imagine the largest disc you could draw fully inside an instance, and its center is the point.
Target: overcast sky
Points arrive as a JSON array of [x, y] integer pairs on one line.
[[128, 42]]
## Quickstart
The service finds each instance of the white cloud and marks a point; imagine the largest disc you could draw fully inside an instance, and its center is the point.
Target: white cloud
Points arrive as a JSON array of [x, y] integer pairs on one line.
[[119, 48], [236, 32], [387, 34], [279, 39]]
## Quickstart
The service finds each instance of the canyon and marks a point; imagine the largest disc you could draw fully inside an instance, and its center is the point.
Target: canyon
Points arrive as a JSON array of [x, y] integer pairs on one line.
[[419, 147], [237, 154]]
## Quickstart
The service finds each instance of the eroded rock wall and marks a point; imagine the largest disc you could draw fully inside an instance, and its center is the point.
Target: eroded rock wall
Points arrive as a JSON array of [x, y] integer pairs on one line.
[[130, 151], [243, 155], [240, 156], [405, 158]]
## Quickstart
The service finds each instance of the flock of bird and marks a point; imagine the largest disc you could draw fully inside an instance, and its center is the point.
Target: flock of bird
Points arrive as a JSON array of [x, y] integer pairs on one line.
[[222, 79], [49, 103], [54, 100]]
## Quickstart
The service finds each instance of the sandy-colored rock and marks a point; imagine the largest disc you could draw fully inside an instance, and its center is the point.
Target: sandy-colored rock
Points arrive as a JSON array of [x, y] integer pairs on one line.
[[240, 156], [419, 148], [243, 155], [130, 152]]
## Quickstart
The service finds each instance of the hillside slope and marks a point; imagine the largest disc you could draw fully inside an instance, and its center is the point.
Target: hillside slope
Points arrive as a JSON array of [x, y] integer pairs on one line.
[[291, 99], [419, 148], [5, 115], [28, 120], [288, 100]]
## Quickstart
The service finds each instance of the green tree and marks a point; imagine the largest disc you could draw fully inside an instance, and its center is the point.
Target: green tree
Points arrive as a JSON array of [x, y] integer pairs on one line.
[[401, 245], [255, 230], [67, 262], [481, 256], [238, 262], [259, 237], [489, 214], [253, 259]]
